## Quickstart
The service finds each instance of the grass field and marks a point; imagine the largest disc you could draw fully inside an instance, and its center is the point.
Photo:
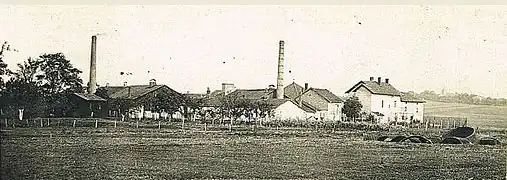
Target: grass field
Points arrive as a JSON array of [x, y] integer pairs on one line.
[[129, 153], [478, 115]]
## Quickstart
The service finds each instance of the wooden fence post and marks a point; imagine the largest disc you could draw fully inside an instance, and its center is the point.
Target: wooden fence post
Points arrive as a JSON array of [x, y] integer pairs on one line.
[[183, 123], [114, 123], [74, 123], [96, 123], [6, 125], [205, 127], [137, 124], [230, 125], [48, 122], [41, 125], [159, 124]]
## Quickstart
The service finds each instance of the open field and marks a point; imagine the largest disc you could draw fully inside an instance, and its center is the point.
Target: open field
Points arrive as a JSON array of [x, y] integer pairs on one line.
[[478, 115], [150, 153]]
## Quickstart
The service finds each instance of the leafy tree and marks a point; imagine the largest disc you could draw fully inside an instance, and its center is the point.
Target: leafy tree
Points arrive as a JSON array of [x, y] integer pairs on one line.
[[168, 102], [19, 94], [352, 107], [51, 78]]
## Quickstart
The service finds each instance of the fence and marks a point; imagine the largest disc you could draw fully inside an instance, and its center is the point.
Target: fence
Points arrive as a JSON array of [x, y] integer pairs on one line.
[[444, 122], [429, 122], [185, 124]]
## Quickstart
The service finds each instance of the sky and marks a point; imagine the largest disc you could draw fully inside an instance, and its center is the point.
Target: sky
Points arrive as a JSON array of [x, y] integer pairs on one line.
[[190, 48]]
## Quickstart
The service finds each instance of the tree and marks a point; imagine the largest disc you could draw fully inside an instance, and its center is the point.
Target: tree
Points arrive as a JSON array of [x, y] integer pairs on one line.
[[50, 77], [19, 94], [352, 107]]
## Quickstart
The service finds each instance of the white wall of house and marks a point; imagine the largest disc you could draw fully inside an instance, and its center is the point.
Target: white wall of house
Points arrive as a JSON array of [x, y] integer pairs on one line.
[[388, 105], [289, 110], [334, 111], [413, 110], [364, 97]]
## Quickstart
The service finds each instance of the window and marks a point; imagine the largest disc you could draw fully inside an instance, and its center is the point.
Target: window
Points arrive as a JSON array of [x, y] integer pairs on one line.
[[417, 110], [405, 108], [394, 103], [382, 103]]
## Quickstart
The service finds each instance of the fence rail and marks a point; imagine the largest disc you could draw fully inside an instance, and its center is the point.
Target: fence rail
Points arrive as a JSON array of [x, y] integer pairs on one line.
[[444, 122], [434, 122]]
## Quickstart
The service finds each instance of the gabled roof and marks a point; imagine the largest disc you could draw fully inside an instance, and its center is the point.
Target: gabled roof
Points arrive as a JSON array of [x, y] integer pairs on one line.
[[328, 95], [308, 107], [276, 102], [293, 90], [324, 93], [216, 93], [132, 92], [195, 96], [406, 97], [253, 93], [89, 97], [374, 87]]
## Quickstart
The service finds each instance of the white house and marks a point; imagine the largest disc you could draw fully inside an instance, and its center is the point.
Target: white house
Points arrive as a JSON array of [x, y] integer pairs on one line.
[[285, 109], [385, 102], [412, 108]]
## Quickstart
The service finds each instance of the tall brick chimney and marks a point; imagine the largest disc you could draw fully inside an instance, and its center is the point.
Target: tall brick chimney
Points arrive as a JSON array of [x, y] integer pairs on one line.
[[92, 83], [379, 80], [279, 79]]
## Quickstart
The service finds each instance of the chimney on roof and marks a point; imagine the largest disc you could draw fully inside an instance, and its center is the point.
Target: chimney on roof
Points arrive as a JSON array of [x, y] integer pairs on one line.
[[125, 83], [107, 84], [153, 82], [379, 80], [372, 78], [208, 91], [306, 86], [92, 83], [271, 86], [279, 79], [387, 80]]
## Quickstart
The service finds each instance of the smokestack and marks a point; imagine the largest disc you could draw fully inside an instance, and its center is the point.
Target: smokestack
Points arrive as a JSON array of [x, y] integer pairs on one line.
[[372, 79], [387, 80], [92, 83], [379, 80], [279, 79], [306, 86]]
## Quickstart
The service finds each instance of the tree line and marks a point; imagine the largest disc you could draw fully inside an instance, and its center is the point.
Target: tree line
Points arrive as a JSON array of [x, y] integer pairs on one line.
[[464, 98]]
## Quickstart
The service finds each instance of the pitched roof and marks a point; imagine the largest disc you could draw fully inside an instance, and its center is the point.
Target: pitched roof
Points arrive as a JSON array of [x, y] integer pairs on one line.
[[328, 95], [132, 92], [308, 107], [324, 93], [293, 90], [253, 93], [89, 97], [374, 87], [275, 102], [195, 96], [216, 93], [406, 97]]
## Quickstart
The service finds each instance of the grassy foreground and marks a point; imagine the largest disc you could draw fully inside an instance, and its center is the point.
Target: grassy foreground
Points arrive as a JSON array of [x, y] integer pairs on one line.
[[124, 153]]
